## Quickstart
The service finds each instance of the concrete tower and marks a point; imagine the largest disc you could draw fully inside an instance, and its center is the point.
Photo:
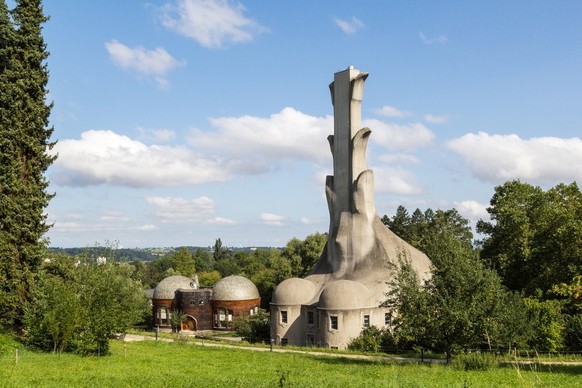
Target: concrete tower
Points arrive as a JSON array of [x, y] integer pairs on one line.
[[349, 282]]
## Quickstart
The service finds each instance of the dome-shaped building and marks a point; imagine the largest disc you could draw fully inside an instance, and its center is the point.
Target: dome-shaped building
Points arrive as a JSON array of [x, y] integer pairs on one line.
[[163, 299], [233, 296], [204, 308]]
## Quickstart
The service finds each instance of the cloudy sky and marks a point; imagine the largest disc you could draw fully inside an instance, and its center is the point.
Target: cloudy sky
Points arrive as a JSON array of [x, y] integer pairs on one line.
[[181, 121]]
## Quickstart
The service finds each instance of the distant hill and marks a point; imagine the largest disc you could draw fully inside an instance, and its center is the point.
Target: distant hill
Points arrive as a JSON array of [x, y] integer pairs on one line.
[[135, 254]]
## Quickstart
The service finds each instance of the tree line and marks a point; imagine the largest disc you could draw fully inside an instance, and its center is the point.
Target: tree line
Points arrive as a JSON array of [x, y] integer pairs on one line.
[[518, 287]]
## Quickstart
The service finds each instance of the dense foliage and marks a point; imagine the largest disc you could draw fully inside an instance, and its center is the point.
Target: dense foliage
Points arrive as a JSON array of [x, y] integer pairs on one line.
[[531, 246], [254, 328], [24, 142], [534, 239], [80, 305]]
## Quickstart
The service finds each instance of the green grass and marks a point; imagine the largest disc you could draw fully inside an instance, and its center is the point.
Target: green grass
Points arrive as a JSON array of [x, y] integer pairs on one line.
[[159, 364]]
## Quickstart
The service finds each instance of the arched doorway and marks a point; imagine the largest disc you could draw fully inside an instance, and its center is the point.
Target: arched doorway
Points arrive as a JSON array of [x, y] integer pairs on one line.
[[190, 323]]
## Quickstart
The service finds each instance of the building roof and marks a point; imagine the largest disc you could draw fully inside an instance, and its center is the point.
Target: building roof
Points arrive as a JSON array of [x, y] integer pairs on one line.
[[234, 287], [294, 291], [166, 289], [345, 294]]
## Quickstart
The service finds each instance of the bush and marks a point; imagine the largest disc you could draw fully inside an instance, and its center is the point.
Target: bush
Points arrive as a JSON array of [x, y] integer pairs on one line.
[[7, 344], [370, 339], [475, 361], [254, 328], [573, 332]]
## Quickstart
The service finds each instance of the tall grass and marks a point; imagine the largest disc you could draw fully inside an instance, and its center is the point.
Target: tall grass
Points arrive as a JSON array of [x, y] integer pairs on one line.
[[159, 364]]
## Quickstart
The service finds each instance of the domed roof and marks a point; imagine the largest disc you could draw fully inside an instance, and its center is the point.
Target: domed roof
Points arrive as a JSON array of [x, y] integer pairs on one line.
[[294, 291], [234, 287], [345, 294], [166, 289]]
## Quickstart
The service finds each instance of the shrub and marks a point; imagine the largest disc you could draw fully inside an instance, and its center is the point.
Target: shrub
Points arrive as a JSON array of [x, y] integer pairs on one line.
[[475, 361], [254, 327], [369, 340], [7, 344]]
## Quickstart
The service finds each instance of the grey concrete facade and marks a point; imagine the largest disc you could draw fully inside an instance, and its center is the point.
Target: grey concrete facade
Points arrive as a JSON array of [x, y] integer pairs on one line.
[[342, 294]]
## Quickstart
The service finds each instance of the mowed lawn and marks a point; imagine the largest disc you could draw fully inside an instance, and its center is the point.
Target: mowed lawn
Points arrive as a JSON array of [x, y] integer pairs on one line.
[[158, 364]]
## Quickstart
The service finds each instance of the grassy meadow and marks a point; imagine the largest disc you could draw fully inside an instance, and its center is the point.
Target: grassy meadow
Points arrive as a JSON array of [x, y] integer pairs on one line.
[[159, 364]]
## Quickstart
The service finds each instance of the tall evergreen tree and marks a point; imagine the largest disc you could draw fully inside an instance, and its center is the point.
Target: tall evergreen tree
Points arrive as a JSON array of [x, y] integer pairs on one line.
[[24, 144]]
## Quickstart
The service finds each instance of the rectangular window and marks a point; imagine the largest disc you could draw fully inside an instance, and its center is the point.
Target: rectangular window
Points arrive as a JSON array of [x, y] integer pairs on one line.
[[283, 316], [333, 325], [310, 317], [388, 319], [284, 341], [317, 320], [310, 340], [230, 315], [366, 321]]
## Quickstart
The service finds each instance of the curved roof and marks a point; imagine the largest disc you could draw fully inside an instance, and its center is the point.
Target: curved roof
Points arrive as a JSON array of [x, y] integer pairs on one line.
[[234, 287], [345, 294], [166, 289], [294, 291]]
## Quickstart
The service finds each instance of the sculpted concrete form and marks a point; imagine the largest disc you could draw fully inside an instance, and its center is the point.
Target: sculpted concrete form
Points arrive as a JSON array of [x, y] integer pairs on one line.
[[346, 286]]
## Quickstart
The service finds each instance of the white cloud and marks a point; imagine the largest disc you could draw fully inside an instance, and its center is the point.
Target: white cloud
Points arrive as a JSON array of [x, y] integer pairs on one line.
[[436, 119], [105, 157], [396, 136], [395, 181], [350, 26], [236, 146], [146, 228], [174, 210], [157, 62], [212, 23], [442, 39], [399, 158], [221, 221], [497, 158], [308, 221], [472, 210], [391, 111], [113, 217], [156, 135], [265, 141], [272, 219]]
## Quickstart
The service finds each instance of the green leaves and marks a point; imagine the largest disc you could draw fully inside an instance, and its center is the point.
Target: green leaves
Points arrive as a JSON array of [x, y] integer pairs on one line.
[[535, 238], [79, 305]]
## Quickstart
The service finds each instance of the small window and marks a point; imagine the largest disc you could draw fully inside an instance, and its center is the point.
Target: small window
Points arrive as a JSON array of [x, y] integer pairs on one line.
[[310, 317], [366, 321], [251, 311], [283, 316], [310, 340], [388, 319], [317, 320], [333, 325], [284, 341], [230, 315]]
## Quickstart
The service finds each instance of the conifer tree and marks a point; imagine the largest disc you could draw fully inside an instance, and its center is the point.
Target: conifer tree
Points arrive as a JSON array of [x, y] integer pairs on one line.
[[24, 144]]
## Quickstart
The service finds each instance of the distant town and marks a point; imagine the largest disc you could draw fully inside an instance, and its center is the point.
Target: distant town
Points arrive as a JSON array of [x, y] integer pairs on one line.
[[138, 254]]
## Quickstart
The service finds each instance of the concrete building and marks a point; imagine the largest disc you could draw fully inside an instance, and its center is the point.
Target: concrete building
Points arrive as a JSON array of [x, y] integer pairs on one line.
[[342, 294], [204, 308]]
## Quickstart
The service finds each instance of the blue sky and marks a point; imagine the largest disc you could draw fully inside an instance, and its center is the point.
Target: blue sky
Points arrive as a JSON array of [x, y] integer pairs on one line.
[[181, 121]]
